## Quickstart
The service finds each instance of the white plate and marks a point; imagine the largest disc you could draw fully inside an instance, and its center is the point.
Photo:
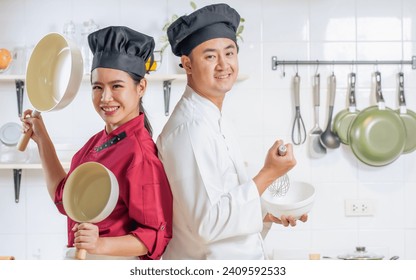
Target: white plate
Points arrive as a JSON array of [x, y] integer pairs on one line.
[[10, 134]]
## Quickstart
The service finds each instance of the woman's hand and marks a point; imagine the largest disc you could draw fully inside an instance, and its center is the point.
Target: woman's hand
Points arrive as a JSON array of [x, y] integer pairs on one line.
[[285, 221], [35, 123], [87, 237], [52, 167]]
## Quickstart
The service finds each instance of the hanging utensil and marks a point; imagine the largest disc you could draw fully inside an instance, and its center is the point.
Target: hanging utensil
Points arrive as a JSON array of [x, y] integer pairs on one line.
[[408, 117], [19, 92], [377, 135], [298, 129], [344, 118], [328, 138], [316, 149], [281, 185]]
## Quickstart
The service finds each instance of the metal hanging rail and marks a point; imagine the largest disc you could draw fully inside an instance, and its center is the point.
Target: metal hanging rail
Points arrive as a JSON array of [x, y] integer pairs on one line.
[[276, 63]]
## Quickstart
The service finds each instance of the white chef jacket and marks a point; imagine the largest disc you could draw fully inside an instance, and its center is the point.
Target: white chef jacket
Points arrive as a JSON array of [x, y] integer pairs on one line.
[[217, 212]]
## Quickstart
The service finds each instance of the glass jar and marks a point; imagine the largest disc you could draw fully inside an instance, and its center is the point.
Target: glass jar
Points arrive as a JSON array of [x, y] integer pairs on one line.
[[87, 28], [19, 61], [70, 31]]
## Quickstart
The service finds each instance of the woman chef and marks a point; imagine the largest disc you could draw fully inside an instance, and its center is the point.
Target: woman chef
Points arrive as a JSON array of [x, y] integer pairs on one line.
[[141, 223], [217, 207]]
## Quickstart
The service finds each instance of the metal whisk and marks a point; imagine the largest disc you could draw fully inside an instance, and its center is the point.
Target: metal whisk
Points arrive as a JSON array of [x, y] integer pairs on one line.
[[281, 185], [298, 128]]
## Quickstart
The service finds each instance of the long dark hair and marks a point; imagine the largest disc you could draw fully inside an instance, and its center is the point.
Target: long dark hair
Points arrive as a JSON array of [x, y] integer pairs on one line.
[[137, 79]]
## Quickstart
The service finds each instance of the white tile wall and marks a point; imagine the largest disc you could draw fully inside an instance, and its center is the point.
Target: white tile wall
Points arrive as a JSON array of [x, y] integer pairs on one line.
[[410, 244], [332, 21], [261, 107]]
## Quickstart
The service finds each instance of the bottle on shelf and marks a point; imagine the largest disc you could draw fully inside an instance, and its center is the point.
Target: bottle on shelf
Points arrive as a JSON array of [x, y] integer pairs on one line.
[[87, 28], [69, 31]]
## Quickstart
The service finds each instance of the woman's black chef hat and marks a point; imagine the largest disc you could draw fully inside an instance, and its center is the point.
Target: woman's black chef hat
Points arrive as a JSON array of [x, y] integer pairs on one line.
[[209, 22], [122, 48]]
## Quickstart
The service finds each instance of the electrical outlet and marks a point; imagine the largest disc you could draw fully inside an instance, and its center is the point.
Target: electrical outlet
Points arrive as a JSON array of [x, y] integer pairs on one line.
[[359, 207]]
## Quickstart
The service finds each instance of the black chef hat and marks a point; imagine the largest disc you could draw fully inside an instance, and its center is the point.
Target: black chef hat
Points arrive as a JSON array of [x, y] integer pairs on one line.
[[209, 22], [122, 48]]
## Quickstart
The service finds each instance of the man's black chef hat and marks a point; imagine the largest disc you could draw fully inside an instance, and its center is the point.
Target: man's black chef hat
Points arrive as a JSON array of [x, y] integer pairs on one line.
[[209, 22], [122, 48]]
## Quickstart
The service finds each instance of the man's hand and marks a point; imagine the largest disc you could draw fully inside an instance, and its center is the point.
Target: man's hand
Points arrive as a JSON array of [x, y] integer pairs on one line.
[[285, 221]]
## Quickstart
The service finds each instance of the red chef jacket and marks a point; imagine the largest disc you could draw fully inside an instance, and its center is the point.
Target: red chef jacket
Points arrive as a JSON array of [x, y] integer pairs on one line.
[[144, 207]]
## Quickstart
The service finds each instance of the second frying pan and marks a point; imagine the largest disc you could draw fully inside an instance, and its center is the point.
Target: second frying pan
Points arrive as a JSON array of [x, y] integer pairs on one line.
[[408, 117], [344, 118], [90, 195]]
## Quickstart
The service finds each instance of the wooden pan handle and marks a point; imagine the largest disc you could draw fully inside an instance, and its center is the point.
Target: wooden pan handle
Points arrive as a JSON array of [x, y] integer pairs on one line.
[[81, 254], [7, 258], [24, 139]]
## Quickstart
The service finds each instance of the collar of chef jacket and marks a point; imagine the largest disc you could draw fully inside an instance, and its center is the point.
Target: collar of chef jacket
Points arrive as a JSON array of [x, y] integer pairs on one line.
[[205, 107]]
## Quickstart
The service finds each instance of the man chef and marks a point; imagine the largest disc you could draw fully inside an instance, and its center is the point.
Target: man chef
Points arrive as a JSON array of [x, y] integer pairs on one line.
[[217, 208]]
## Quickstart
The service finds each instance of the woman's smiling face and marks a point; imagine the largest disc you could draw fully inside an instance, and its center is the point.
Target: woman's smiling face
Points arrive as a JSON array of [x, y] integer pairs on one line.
[[116, 96]]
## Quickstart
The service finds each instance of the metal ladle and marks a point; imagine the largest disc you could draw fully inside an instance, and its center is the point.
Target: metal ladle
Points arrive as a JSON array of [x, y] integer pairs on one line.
[[316, 149], [328, 138]]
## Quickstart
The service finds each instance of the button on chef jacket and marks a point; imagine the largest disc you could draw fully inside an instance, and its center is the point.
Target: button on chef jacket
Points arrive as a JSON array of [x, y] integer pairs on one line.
[[217, 210], [144, 207]]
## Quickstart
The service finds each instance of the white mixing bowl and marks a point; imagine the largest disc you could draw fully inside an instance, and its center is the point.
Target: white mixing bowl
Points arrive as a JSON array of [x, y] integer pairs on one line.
[[298, 200]]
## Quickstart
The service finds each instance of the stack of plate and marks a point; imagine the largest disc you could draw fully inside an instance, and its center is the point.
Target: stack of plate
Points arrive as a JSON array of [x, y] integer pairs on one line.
[[9, 136]]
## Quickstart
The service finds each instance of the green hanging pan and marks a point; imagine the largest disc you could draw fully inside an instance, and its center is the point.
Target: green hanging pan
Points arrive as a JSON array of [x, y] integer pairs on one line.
[[344, 118], [408, 117], [377, 135]]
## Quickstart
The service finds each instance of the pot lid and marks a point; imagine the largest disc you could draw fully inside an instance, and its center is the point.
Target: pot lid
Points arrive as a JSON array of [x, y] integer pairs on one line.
[[10, 134], [360, 254]]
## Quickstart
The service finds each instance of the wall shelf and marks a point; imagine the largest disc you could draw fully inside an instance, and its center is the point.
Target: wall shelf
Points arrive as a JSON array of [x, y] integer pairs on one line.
[[4, 77], [17, 173], [167, 80], [19, 81], [152, 77], [32, 166]]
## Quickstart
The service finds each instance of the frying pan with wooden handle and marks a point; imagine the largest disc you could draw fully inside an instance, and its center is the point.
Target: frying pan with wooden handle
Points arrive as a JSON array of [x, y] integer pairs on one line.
[[53, 76], [90, 195]]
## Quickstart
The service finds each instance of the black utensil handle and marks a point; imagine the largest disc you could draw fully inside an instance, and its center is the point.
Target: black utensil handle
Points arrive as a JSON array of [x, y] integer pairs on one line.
[[352, 102], [402, 99], [379, 94]]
